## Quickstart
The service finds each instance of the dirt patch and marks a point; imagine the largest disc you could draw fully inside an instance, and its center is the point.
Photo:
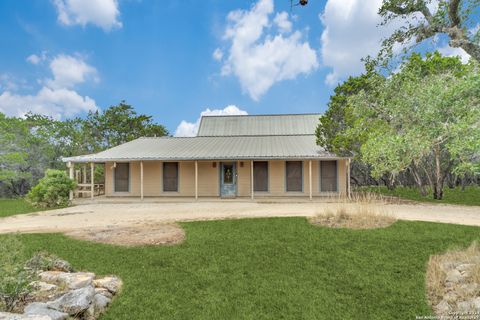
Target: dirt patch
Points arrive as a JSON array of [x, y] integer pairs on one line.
[[453, 282], [137, 235], [359, 216]]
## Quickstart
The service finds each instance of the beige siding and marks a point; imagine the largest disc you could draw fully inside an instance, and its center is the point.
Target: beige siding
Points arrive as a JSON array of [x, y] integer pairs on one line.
[[209, 176]]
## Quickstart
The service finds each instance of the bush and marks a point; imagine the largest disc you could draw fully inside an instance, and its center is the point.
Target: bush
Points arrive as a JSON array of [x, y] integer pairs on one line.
[[52, 190], [14, 278]]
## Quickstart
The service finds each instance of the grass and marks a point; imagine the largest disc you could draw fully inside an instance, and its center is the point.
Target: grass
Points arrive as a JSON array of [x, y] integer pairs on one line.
[[9, 207], [471, 195], [277, 268]]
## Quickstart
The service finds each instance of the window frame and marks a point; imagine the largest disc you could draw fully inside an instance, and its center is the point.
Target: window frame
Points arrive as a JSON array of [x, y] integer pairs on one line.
[[301, 177], [321, 175], [177, 177]]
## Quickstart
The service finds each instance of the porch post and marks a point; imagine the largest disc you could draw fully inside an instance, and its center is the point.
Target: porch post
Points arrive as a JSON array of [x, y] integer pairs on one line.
[[141, 180], [92, 178], [196, 180], [349, 192], [84, 173], [251, 180], [70, 166], [310, 178]]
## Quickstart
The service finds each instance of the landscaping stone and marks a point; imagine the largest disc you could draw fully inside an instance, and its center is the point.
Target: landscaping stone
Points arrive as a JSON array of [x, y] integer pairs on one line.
[[110, 283], [103, 292], [16, 316], [100, 302], [75, 280], [43, 287], [75, 301], [40, 308], [454, 276]]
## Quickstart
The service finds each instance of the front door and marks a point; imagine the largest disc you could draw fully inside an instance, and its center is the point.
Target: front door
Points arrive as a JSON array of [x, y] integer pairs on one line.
[[228, 179]]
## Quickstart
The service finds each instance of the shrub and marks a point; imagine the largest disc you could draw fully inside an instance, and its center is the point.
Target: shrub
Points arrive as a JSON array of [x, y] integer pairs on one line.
[[52, 190], [14, 279], [44, 261]]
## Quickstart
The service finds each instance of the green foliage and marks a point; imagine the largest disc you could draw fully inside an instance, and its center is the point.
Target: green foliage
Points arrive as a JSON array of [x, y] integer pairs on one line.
[[30, 145], [44, 261], [454, 18], [14, 279], [52, 190], [278, 268], [469, 196]]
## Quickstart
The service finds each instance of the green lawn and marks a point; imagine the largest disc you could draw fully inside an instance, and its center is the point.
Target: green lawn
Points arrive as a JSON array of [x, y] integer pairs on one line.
[[9, 207], [471, 195], [278, 268]]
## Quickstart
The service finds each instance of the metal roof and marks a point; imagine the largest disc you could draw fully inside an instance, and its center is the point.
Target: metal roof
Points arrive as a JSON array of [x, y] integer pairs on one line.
[[213, 148], [258, 125]]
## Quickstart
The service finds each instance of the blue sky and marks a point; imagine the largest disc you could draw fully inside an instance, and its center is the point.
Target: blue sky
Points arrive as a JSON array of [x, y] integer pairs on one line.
[[175, 59]]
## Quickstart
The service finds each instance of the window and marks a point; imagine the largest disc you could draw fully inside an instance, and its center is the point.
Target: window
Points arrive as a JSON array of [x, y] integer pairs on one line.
[[170, 176], [260, 176], [122, 177], [328, 176], [294, 176]]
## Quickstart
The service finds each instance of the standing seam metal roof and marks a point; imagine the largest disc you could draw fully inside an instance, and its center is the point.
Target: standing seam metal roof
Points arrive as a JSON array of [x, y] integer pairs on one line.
[[213, 148]]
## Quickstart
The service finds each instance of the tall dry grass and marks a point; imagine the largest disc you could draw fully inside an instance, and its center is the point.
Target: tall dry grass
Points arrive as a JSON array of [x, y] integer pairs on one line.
[[361, 211]]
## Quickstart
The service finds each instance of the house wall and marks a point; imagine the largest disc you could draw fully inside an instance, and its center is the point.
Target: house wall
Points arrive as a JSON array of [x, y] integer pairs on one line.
[[209, 179]]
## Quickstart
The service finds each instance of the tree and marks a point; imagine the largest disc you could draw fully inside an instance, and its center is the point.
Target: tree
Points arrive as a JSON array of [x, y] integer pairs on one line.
[[454, 18], [117, 125], [424, 119]]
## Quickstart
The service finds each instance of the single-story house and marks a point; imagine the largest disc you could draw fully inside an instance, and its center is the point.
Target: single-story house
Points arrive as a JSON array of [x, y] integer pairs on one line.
[[231, 156]]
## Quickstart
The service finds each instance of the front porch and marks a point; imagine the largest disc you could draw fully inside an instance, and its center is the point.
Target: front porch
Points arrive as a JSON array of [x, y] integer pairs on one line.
[[239, 180]]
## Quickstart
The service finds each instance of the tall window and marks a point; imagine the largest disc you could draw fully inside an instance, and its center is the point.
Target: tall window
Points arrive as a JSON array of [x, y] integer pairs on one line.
[[260, 176], [294, 175], [170, 176], [328, 176], [122, 177]]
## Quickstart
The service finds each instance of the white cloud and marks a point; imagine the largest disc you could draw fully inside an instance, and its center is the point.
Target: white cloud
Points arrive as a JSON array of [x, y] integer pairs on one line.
[[217, 54], [281, 20], [102, 13], [68, 71], [190, 129], [57, 97], [350, 34], [33, 59], [454, 52], [261, 55]]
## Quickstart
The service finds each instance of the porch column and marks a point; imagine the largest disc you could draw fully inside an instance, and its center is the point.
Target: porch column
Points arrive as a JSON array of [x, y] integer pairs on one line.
[[92, 178], [141, 180], [196, 180], [70, 166], [84, 169], [348, 178], [310, 178], [251, 179]]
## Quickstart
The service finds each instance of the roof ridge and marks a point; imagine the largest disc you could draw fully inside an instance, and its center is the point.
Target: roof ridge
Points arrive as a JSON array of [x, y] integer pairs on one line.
[[262, 115]]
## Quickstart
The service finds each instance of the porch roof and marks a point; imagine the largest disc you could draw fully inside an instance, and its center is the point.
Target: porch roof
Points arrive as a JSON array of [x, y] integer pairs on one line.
[[213, 148]]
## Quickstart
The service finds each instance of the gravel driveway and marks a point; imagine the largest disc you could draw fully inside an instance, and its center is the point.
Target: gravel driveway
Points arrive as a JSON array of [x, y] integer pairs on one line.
[[125, 214]]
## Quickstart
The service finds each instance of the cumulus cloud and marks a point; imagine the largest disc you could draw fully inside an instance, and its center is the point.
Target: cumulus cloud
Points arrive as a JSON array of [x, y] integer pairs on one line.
[[262, 53], [350, 34], [36, 59], [190, 129], [56, 97], [217, 54], [68, 71], [454, 52], [102, 13]]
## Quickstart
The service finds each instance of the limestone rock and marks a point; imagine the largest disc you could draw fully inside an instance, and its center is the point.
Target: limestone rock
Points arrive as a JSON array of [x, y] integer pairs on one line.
[[103, 292], [100, 303], [43, 287], [75, 280], [454, 276], [16, 316], [75, 301], [112, 284], [40, 308], [443, 307]]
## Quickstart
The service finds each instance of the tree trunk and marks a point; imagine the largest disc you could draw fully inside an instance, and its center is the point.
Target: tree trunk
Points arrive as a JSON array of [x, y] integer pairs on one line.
[[418, 180], [438, 180]]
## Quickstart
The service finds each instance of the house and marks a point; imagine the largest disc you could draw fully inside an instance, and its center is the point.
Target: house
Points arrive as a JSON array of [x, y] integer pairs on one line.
[[245, 156]]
